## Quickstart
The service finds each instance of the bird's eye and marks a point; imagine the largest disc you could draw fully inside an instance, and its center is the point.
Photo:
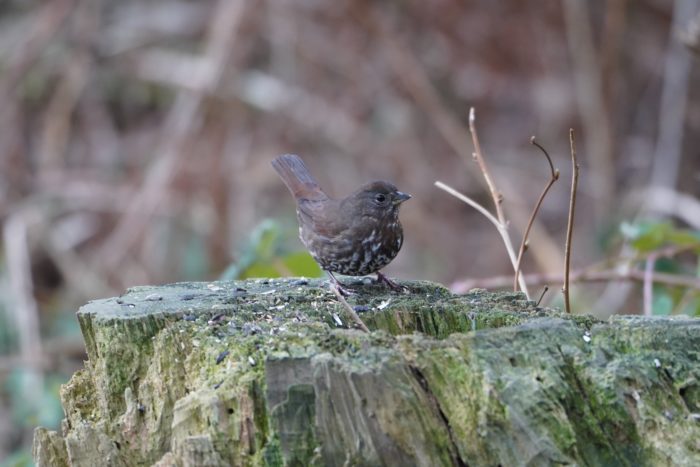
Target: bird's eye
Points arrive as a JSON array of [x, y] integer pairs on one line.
[[380, 198]]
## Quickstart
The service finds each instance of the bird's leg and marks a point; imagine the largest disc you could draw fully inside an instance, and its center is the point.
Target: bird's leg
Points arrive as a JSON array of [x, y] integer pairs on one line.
[[338, 286], [392, 285]]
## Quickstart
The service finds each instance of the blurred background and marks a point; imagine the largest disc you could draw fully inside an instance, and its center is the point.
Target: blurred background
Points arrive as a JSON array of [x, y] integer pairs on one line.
[[135, 141]]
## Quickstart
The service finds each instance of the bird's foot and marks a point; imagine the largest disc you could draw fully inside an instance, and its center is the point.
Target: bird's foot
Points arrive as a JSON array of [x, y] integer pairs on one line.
[[381, 278], [335, 284]]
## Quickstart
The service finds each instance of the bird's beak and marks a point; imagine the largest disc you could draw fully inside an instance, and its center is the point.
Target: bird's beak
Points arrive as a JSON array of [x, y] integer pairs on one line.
[[400, 197]]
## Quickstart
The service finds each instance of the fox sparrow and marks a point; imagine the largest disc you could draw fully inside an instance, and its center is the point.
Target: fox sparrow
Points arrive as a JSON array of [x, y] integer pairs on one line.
[[354, 236]]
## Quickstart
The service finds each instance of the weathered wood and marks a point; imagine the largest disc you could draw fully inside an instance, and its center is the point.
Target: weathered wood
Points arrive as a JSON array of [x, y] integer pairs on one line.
[[262, 373]]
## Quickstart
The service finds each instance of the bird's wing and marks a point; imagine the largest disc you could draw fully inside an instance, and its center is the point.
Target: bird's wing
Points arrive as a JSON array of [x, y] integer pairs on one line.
[[323, 217]]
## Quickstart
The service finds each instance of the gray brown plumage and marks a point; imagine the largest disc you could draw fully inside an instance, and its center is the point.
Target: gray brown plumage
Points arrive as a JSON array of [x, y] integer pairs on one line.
[[355, 236]]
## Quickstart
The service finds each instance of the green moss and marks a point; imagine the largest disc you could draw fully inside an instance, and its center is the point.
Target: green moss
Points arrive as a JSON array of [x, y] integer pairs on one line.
[[259, 372]]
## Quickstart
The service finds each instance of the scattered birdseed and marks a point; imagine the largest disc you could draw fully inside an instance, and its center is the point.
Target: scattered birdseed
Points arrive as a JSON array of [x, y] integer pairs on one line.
[[221, 356]]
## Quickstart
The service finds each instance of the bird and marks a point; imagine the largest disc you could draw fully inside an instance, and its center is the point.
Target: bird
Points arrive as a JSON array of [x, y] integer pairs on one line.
[[354, 236]]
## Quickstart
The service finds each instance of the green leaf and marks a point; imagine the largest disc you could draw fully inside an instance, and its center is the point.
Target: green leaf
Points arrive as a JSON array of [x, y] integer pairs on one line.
[[263, 257], [651, 236], [662, 304], [260, 269], [301, 263], [684, 237]]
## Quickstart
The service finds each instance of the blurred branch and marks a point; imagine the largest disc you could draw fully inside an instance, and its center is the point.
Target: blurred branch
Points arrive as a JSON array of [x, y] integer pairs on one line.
[[690, 35], [669, 202], [58, 117], [581, 276], [80, 276], [619, 270], [48, 21], [409, 71], [614, 30], [181, 123], [24, 310], [590, 97], [674, 96], [648, 282], [261, 90]]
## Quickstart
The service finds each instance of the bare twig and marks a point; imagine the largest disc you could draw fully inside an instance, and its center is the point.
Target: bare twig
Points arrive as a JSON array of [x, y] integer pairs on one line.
[[553, 178], [479, 158], [544, 291], [570, 222], [500, 227], [585, 275], [353, 314]]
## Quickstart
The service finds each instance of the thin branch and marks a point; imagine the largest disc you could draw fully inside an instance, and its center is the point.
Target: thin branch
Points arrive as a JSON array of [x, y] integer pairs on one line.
[[582, 276], [544, 291], [500, 227], [570, 222], [353, 314], [473, 204], [553, 178], [479, 158]]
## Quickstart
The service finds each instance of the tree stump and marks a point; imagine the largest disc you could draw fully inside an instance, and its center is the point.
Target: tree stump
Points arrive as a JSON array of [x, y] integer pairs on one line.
[[268, 372]]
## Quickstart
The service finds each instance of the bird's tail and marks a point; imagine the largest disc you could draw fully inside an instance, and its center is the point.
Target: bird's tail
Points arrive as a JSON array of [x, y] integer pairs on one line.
[[297, 177]]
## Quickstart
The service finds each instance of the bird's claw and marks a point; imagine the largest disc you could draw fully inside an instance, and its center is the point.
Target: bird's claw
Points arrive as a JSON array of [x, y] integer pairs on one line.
[[337, 286], [381, 278], [344, 291]]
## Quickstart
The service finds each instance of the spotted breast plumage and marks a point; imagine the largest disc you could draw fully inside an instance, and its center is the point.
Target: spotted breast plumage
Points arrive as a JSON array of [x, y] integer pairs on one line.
[[357, 235]]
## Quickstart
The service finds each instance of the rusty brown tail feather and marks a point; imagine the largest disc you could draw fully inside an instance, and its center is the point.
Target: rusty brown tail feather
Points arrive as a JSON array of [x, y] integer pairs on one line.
[[297, 177]]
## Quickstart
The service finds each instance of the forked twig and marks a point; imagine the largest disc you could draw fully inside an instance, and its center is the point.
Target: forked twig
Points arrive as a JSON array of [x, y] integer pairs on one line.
[[500, 227], [570, 222], [553, 178]]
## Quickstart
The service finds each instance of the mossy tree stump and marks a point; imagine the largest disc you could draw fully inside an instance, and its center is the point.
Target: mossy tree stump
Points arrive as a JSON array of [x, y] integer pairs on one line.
[[266, 372]]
